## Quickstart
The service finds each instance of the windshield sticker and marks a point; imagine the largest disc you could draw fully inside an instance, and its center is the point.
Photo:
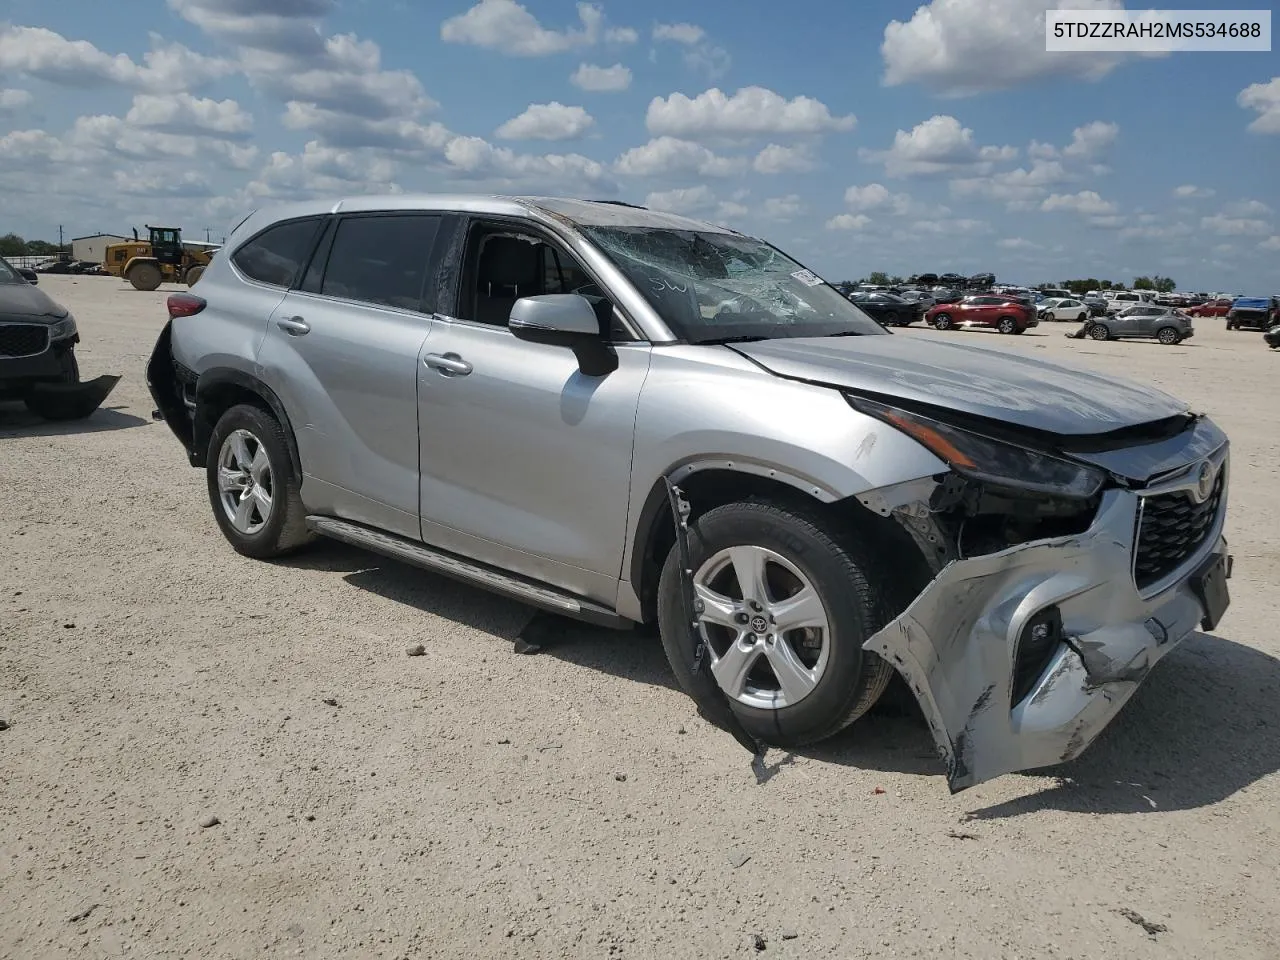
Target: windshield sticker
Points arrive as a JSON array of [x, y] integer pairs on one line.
[[808, 278]]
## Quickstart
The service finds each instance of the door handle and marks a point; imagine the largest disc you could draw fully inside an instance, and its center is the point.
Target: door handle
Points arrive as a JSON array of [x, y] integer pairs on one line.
[[294, 326], [449, 364]]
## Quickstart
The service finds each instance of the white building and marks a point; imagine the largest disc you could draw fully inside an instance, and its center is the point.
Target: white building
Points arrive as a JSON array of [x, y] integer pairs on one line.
[[93, 249]]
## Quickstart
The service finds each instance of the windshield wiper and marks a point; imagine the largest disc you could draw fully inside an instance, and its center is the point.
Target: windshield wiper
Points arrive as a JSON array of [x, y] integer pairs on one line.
[[746, 338]]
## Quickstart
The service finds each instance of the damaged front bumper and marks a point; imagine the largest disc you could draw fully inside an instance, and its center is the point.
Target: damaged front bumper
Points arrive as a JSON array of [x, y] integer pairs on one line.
[[1074, 601]]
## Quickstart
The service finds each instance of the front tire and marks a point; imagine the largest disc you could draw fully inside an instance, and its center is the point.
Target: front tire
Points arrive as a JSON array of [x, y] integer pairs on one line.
[[1099, 332], [253, 488], [942, 321], [809, 604]]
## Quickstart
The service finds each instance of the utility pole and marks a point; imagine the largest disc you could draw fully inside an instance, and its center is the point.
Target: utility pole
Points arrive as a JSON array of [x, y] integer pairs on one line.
[[207, 232], [60, 238]]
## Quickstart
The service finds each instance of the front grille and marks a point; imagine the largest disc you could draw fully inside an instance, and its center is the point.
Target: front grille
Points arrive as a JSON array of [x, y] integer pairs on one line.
[[23, 339], [1171, 529]]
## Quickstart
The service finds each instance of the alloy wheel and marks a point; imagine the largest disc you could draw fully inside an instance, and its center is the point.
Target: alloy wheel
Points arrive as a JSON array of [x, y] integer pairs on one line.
[[244, 481], [766, 628]]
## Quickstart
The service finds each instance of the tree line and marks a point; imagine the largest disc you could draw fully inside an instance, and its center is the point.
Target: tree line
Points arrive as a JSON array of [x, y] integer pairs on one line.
[[12, 245]]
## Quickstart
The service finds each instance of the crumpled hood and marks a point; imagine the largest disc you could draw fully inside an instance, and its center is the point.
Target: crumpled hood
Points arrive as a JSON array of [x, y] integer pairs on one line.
[[1024, 391], [25, 300]]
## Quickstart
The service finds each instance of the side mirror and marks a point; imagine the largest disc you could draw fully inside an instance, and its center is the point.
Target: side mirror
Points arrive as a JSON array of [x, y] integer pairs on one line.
[[30, 276], [564, 320]]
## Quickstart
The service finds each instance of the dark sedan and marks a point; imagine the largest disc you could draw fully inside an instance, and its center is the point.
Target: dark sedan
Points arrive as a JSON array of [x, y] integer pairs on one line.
[[888, 309], [37, 353]]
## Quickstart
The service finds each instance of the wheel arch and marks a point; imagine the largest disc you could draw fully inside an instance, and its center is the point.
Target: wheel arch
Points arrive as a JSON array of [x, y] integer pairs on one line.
[[220, 388], [710, 484]]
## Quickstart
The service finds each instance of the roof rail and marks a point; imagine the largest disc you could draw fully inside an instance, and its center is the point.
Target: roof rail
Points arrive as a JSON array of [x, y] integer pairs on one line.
[[621, 203]]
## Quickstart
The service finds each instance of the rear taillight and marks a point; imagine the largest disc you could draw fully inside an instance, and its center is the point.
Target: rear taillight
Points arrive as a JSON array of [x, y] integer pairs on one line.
[[184, 305]]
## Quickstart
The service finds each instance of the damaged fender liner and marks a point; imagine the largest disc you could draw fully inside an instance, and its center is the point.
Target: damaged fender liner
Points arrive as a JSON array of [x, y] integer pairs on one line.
[[957, 643]]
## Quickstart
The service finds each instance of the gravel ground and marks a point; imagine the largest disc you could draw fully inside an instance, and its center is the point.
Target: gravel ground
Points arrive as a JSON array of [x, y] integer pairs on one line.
[[470, 802]]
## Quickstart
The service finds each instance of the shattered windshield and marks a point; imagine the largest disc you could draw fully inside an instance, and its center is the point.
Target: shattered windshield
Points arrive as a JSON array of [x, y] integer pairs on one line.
[[721, 287]]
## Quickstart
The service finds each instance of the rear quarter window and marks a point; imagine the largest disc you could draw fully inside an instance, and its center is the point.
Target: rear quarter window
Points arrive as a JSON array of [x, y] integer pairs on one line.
[[277, 255]]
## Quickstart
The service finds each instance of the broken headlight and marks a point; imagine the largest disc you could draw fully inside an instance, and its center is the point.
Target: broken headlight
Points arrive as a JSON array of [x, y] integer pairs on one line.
[[989, 461]]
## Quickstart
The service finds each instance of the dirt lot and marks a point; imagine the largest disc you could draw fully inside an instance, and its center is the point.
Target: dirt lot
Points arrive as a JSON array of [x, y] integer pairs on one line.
[[475, 803]]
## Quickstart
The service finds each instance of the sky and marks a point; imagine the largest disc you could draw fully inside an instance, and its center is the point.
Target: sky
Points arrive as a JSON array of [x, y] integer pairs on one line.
[[856, 136]]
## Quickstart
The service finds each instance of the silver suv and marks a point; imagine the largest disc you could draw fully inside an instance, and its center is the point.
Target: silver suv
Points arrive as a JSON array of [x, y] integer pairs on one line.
[[632, 418]]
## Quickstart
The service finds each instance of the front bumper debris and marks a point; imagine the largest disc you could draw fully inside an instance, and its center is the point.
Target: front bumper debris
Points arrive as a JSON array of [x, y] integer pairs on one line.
[[70, 401], [957, 644]]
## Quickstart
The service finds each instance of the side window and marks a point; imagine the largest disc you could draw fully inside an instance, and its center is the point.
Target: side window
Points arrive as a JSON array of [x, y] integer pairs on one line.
[[381, 259], [276, 255], [504, 266]]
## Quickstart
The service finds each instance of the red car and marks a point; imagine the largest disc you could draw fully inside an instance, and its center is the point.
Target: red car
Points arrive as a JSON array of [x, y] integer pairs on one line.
[[985, 310], [1214, 308]]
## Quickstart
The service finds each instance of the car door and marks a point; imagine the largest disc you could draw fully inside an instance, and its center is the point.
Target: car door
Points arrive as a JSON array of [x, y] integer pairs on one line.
[[526, 460], [342, 352]]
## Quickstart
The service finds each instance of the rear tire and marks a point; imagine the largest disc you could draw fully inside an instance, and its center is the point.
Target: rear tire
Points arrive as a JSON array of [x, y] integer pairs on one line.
[[849, 679], [194, 274], [145, 276], [1168, 336], [1082, 318], [1007, 325], [264, 527]]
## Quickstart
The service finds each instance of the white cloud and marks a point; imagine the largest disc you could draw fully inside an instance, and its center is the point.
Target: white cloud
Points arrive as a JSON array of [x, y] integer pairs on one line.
[[1173, 231], [711, 61], [547, 121], [683, 200], [1264, 98], [686, 33], [1190, 191], [875, 196], [1016, 187], [1041, 151], [1246, 208], [12, 100], [601, 79], [1271, 243], [189, 184], [623, 35], [474, 158], [952, 226], [783, 208], [939, 145], [702, 56], [731, 210], [962, 47], [849, 221], [1091, 140], [1017, 243], [120, 136], [184, 114], [664, 156], [1086, 203], [508, 27], [46, 55], [750, 112], [776, 158], [1109, 221], [1234, 226]]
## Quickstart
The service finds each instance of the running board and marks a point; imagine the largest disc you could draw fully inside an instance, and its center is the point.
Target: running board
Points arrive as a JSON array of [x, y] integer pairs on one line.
[[420, 555]]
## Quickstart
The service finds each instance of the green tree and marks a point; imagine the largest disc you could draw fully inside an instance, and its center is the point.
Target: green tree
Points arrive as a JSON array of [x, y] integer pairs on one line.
[[41, 248], [1163, 284], [879, 278], [12, 245]]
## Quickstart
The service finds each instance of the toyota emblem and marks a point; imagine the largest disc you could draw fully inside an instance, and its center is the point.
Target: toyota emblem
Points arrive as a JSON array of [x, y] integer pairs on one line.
[[1204, 482]]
